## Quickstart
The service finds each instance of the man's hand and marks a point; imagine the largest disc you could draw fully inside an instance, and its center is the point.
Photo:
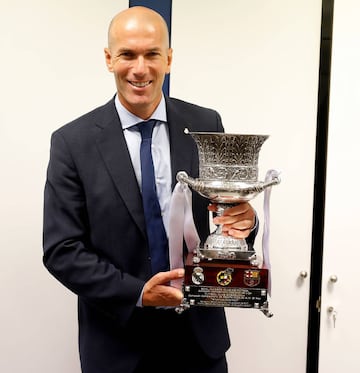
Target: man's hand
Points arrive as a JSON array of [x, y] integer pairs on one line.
[[157, 291], [237, 221]]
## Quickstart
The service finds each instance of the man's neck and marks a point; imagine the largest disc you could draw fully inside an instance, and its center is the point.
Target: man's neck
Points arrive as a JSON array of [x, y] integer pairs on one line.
[[142, 111]]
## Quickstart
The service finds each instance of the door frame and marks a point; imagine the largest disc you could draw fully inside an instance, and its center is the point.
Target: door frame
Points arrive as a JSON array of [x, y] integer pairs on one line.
[[319, 187]]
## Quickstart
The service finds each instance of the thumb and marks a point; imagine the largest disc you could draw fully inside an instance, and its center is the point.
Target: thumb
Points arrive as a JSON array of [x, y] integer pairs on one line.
[[166, 277]]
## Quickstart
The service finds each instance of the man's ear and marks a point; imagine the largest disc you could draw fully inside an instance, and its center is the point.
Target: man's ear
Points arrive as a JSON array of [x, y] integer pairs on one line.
[[108, 59], [169, 58]]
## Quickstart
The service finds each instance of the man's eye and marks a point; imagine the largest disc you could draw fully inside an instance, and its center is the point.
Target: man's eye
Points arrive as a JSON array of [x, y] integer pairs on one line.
[[153, 54], [126, 55]]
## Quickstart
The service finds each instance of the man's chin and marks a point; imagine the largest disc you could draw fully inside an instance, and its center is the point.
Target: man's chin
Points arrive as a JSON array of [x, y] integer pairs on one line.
[[140, 107]]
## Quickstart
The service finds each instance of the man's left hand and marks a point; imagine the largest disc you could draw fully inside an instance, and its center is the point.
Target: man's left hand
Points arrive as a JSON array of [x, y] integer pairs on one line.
[[237, 221]]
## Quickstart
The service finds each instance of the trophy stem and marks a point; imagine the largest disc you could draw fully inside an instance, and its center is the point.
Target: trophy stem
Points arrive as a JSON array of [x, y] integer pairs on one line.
[[240, 242], [219, 212], [218, 246]]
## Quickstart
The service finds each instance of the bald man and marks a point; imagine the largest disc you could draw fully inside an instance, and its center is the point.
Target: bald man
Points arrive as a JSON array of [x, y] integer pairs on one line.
[[95, 240]]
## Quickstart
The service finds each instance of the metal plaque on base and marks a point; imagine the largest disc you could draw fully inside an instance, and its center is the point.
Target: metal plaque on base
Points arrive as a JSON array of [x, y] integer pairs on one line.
[[225, 284]]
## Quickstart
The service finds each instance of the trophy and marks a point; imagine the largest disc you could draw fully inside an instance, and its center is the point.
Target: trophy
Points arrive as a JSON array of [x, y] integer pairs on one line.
[[224, 272]]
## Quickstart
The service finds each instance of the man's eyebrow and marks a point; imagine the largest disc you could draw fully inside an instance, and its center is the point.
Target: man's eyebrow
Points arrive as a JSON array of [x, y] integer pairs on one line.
[[125, 49]]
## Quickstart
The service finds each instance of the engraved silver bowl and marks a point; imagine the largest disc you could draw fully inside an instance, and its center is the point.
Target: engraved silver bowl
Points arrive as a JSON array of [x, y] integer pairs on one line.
[[228, 167], [228, 157], [223, 191]]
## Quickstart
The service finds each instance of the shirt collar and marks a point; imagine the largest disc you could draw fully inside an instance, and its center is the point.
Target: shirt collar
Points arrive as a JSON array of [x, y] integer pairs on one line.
[[128, 119]]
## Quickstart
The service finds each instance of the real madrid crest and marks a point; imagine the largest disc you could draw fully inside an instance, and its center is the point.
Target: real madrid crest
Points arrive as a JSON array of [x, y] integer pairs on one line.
[[224, 278], [197, 276], [251, 277]]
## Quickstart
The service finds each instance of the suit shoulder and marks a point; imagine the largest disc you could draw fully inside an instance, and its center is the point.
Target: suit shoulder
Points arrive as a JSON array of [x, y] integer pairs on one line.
[[185, 106], [196, 117], [99, 115]]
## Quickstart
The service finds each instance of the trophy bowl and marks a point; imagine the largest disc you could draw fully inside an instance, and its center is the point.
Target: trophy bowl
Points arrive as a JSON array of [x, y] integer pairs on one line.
[[224, 191]]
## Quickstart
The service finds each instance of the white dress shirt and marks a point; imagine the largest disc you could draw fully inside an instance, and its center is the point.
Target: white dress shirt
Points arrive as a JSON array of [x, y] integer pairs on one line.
[[160, 149]]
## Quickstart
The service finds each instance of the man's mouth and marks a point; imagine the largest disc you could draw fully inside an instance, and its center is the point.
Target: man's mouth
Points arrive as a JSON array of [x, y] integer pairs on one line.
[[140, 84]]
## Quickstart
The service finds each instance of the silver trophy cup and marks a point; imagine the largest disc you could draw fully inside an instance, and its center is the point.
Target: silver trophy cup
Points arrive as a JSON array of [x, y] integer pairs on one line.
[[224, 272]]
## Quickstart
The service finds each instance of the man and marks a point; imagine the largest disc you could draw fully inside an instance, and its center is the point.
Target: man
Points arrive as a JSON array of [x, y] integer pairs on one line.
[[95, 240]]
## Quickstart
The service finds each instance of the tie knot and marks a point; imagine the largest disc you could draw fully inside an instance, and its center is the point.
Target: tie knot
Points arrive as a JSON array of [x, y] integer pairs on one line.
[[146, 128]]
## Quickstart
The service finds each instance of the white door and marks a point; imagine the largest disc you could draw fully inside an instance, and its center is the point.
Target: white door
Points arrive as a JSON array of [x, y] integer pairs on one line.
[[257, 63], [339, 340]]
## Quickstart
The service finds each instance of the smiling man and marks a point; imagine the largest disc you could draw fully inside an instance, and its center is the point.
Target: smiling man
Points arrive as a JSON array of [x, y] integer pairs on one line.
[[97, 240], [139, 56]]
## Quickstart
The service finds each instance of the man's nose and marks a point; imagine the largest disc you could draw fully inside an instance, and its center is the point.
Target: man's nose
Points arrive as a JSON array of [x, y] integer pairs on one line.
[[139, 65]]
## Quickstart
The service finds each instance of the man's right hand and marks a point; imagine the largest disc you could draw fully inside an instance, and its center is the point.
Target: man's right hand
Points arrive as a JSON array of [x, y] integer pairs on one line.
[[158, 292]]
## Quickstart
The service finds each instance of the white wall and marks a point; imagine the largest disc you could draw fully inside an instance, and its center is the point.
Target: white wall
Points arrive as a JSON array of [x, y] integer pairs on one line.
[[339, 341], [52, 70], [257, 63]]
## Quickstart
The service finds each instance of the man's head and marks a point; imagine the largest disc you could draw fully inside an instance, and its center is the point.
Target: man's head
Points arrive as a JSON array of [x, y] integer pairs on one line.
[[139, 55]]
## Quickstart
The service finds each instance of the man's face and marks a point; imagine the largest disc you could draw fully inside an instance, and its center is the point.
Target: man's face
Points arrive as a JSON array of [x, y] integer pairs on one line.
[[139, 57]]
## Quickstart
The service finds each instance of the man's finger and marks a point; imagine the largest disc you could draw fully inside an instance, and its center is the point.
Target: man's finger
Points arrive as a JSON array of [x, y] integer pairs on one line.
[[164, 277]]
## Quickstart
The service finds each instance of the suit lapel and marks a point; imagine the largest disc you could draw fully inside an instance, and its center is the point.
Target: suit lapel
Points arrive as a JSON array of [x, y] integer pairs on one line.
[[113, 149], [112, 146], [182, 146]]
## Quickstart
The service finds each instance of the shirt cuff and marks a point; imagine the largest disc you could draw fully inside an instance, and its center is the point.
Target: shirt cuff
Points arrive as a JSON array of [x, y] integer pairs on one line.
[[256, 224], [139, 301]]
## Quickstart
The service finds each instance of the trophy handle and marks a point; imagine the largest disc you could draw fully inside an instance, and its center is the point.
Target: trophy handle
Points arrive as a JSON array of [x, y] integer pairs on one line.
[[183, 177], [274, 181]]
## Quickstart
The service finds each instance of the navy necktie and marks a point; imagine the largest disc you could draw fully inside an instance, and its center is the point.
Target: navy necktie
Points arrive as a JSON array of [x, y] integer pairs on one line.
[[157, 238]]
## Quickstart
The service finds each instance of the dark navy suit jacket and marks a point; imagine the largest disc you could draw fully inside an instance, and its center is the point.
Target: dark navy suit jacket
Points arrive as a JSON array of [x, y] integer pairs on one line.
[[94, 231]]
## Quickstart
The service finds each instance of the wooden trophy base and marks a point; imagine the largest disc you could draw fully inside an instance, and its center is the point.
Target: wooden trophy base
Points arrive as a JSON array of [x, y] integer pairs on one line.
[[216, 283]]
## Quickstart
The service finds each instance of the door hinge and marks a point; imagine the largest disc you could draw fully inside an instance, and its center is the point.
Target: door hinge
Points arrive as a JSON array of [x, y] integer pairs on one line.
[[318, 304]]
